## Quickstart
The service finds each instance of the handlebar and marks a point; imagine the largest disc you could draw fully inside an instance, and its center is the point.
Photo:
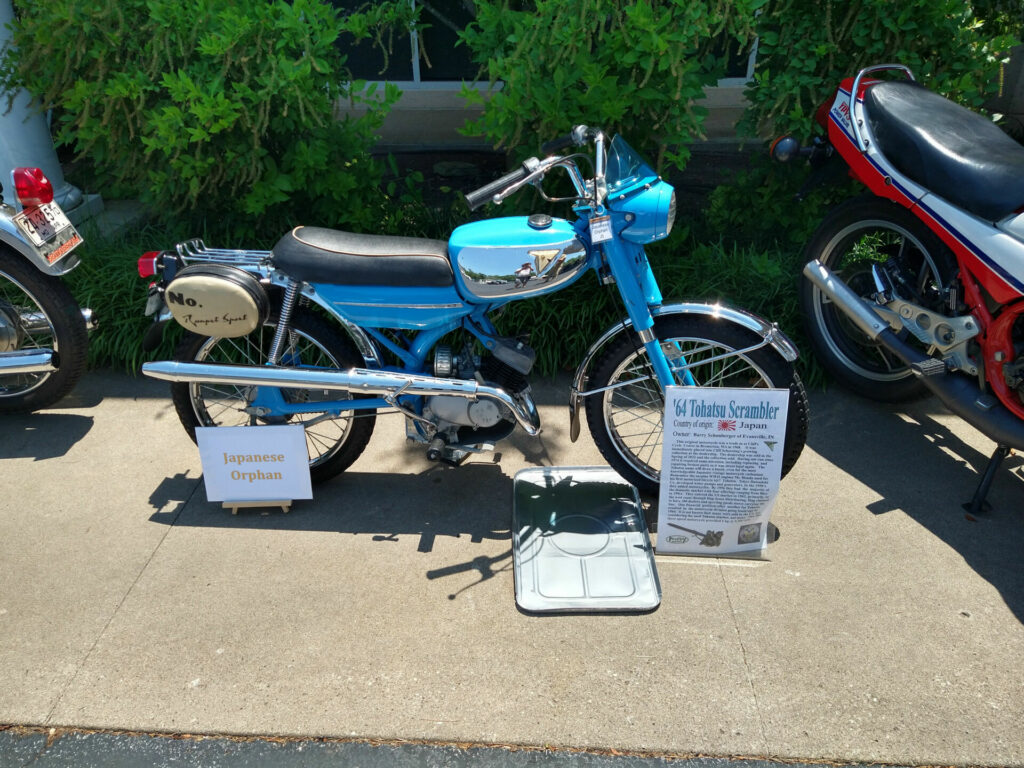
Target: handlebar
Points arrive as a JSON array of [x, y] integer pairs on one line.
[[478, 197], [534, 168]]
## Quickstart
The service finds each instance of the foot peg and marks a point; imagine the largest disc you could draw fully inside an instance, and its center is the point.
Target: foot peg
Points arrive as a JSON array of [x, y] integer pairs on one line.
[[929, 367]]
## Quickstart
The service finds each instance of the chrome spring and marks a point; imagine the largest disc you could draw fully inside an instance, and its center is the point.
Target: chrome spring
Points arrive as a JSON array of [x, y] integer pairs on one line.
[[291, 295]]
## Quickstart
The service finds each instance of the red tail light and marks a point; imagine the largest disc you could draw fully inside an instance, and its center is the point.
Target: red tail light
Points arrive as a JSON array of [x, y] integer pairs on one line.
[[148, 263], [32, 187]]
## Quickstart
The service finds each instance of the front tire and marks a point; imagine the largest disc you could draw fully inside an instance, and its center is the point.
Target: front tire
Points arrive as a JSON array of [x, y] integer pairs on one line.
[[626, 422], [332, 441], [857, 234], [37, 311]]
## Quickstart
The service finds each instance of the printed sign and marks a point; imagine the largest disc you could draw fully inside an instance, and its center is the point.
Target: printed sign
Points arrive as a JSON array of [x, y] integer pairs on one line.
[[720, 469], [255, 463]]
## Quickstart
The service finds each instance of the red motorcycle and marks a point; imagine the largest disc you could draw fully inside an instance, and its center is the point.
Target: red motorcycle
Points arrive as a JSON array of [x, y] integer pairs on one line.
[[918, 286]]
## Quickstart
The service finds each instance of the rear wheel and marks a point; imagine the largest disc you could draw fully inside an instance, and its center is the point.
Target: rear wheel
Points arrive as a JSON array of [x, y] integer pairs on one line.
[[37, 311], [857, 235], [626, 421], [333, 440]]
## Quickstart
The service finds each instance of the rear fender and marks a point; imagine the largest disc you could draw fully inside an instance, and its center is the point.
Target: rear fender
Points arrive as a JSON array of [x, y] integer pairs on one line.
[[11, 237], [767, 331]]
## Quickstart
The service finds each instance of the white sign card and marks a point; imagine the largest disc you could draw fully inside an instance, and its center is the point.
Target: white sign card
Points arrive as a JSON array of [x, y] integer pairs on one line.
[[267, 463], [720, 469]]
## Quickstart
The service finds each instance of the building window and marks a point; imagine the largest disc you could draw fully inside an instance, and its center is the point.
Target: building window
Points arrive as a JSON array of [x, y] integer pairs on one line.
[[431, 55]]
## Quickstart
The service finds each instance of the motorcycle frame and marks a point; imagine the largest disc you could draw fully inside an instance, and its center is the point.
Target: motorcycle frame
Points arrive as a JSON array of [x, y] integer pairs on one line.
[[990, 255], [428, 314]]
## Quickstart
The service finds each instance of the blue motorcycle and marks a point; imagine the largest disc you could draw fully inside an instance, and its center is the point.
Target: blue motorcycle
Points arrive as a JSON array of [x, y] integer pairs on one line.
[[330, 329]]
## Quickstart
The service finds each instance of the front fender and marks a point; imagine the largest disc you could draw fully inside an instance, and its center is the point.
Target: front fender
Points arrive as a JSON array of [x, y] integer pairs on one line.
[[767, 331]]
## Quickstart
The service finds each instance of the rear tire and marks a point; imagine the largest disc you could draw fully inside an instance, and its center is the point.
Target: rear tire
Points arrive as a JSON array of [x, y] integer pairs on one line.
[[857, 234], [333, 444], [626, 422], [24, 290]]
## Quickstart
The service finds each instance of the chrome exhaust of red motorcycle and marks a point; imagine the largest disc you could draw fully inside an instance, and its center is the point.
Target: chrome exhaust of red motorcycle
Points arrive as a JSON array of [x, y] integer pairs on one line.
[[27, 361], [362, 381], [958, 393]]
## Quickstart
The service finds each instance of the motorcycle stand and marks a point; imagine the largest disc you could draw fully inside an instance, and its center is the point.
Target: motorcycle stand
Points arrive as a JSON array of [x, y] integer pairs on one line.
[[978, 504], [234, 506]]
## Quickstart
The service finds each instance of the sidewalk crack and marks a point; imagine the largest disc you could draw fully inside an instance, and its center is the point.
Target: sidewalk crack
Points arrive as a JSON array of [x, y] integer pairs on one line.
[[746, 664], [117, 608]]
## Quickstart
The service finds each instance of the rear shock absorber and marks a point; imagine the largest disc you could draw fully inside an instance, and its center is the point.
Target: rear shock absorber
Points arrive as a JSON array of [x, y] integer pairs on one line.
[[291, 295]]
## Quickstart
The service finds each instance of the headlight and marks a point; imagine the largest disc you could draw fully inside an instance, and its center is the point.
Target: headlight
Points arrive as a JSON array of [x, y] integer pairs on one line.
[[651, 209]]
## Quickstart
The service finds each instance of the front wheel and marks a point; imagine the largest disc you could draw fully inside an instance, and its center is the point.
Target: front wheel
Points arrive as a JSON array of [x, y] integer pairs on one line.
[[333, 440], [37, 311], [626, 420]]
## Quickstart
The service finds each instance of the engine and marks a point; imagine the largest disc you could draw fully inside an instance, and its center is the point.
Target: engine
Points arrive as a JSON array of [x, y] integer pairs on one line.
[[448, 412]]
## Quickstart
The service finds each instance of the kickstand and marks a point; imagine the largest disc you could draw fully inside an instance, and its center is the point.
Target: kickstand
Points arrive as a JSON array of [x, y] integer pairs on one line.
[[978, 504]]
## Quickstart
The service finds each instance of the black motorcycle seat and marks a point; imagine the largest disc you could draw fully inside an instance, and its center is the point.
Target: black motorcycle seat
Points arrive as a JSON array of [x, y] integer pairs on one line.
[[955, 153], [318, 255]]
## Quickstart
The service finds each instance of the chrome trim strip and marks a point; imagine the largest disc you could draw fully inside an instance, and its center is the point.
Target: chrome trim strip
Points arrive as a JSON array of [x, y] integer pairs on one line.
[[361, 380], [398, 306]]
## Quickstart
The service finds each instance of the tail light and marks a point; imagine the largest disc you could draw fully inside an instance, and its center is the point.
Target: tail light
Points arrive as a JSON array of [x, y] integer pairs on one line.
[[32, 187], [148, 264]]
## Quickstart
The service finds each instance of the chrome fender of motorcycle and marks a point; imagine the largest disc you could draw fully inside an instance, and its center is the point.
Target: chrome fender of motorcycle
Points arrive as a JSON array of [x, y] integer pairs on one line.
[[769, 333], [12, 237]]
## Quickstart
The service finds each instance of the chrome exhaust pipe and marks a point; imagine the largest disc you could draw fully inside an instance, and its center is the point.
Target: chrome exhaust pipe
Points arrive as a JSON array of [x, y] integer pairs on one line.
[[37, 323], [361, 381], [27, 361], [958, 393]]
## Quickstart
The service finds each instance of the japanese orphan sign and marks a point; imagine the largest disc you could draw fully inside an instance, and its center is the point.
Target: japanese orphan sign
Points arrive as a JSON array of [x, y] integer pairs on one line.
[[721, 463], [268, 463]]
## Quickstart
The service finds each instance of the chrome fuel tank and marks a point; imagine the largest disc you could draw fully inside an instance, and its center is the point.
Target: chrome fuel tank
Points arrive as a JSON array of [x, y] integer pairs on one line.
[[516, 256]]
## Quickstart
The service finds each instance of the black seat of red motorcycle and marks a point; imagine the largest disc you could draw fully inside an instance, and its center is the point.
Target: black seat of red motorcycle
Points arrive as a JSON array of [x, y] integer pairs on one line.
[[318, 255], [957, 154]]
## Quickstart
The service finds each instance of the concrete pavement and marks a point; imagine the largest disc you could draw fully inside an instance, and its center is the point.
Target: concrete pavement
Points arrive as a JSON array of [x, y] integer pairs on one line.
[[886, 627]]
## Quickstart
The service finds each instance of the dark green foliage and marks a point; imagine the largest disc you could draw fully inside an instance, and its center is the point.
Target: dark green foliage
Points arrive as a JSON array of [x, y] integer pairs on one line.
[[805, 49], [639, 68], [209, 107]]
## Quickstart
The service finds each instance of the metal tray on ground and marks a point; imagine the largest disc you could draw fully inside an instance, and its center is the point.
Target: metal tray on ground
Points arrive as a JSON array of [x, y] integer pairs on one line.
[[580, 543]]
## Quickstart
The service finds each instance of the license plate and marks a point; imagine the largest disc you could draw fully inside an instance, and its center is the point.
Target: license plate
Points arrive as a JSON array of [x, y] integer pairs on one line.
[[48, 230]]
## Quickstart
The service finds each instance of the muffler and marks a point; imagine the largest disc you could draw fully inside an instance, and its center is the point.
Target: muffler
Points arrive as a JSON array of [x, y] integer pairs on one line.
[[361, 381], [958, 393], [27, 361]]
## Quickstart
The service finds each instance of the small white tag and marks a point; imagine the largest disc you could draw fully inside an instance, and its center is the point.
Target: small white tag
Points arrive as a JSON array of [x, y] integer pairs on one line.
[[601, 229]]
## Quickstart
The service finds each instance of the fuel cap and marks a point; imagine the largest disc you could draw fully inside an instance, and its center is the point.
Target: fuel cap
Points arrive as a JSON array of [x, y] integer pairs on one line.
[[539, 221]]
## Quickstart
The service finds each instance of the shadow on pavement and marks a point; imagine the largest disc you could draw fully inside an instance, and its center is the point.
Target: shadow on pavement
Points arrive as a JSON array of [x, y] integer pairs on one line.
[[382, 505], [921, 467], [41, 435]]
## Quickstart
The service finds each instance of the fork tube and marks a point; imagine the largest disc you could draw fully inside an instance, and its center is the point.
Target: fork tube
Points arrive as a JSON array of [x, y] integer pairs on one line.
[[291, 295], [639, 291]]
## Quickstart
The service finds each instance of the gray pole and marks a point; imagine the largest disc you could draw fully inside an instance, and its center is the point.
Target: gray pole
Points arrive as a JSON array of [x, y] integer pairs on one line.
[[25, 138]]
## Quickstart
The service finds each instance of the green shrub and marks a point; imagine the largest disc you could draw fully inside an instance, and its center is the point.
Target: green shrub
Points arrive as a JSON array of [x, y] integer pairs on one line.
[[639, 68], [805, 49], [209, 106]]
